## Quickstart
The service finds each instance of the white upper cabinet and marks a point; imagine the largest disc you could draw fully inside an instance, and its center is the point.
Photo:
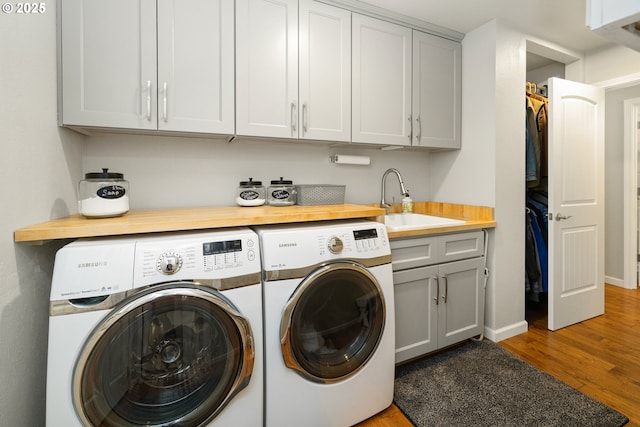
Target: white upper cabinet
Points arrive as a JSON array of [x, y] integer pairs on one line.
[[267, 68], [275, 39], [437, 81], [325, 72], [381, 82], [108, 63], [122, 67], [196, 66], [295, 69]]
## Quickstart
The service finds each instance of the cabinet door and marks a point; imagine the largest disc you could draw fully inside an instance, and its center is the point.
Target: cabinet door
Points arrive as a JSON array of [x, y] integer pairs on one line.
[[267, 68], [325, 72], [461, 307], [437, 66], [415, 294], [457, 246], [414, 252], [108, 63], [195, 66], [381, 82]]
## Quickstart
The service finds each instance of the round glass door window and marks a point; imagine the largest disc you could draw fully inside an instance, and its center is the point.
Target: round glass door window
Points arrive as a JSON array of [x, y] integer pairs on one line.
[[333, 322], [172, 355]]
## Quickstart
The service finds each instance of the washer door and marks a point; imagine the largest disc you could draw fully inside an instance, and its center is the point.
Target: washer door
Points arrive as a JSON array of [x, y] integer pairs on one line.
[[173, 354], [333, 322]]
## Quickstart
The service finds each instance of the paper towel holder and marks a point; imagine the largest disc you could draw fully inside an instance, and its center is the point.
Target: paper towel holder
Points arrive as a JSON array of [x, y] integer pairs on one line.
[[346, 159]]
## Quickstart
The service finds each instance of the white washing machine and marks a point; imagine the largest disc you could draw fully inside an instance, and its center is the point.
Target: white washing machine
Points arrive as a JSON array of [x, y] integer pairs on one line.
[[328, 323], [157, 330]]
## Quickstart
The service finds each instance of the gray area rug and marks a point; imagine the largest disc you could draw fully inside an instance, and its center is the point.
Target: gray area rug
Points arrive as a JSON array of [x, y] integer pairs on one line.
[[481, 384]]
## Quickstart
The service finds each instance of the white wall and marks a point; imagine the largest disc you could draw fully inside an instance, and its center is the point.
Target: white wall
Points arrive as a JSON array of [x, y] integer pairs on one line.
[[542, 74], [39, 168], [614, 184], [166, 172], [468, 176], [598, 64], [489, 170], [598, 69]]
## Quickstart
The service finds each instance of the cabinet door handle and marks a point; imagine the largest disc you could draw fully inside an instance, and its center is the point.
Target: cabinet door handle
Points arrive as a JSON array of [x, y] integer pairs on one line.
[[164, 103], [446, 288], [293, 118], [419, 133], [149, 100], [410, 127], [304, 118], [437, 298]]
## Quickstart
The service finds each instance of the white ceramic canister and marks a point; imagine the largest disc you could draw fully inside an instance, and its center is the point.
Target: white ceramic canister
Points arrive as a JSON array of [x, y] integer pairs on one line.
[[103, 194], [281, 192], [250, 193]]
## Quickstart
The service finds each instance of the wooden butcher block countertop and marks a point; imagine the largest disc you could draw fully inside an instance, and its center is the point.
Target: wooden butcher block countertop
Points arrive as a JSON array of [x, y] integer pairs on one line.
[[161, 220], [475, 217], [150, 221]]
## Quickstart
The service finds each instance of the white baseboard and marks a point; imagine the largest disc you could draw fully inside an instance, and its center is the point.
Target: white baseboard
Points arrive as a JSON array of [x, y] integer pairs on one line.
[[497, 335], [614, 281]]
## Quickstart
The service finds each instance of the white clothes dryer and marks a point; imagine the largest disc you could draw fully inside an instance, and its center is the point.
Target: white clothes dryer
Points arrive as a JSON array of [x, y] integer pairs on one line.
[[328, 323], [157, 330]]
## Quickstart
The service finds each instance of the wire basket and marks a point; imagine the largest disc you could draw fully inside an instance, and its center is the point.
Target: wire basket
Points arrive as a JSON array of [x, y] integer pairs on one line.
[[320, 194]]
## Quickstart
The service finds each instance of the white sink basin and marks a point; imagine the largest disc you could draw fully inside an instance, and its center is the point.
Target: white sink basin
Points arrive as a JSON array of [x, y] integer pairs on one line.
[[414, 221]]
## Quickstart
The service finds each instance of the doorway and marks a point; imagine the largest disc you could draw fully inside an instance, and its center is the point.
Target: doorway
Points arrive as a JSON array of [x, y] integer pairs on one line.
[[539, 68], [631, 193], [622, 134], [574, 211]]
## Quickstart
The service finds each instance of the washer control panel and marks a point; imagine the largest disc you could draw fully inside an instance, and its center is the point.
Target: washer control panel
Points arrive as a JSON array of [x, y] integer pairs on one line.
[[225, 254], [169, 262], [196, 256], [367, 240], [335, 245]]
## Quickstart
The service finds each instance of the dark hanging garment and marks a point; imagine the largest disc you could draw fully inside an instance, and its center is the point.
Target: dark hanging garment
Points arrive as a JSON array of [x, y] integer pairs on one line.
[[541, 250], [532, 264]]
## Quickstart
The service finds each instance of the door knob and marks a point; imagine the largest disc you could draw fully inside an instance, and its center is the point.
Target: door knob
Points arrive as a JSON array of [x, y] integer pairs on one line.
[[560, 217]]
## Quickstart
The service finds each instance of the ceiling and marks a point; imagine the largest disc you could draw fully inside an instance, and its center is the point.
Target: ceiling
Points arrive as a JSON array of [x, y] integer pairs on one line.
[[561, 22]]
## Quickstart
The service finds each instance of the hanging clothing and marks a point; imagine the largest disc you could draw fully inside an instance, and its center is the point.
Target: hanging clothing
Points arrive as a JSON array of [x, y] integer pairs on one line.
[[531, 166], [536, 173], [533, 277], [539, 204], [541, 250], [538, 106], [536, 252], [533, 146]]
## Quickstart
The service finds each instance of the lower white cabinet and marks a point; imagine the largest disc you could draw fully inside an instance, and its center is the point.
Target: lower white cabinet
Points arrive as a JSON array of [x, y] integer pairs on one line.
[[439, 291]]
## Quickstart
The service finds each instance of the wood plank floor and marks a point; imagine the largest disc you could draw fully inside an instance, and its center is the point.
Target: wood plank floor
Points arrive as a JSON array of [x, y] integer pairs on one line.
[[600, 356]]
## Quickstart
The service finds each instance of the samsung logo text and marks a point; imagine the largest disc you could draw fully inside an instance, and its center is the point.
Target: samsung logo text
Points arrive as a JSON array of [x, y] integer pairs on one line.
[[93, 264], [287, 245]]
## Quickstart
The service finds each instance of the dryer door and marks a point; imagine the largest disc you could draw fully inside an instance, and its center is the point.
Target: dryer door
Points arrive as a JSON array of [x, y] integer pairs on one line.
[[333, 322], [173, 354]]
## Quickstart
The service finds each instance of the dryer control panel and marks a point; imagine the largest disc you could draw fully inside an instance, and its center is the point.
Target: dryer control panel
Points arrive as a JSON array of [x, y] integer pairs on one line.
[[298, 246]]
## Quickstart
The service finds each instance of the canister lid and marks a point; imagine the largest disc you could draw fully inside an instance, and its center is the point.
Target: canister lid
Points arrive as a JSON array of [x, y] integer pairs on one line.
[[281, 181], [251, 182], [105, 174]]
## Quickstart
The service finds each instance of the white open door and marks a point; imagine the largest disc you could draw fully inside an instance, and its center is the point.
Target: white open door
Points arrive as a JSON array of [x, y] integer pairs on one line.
[[576, 202]]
